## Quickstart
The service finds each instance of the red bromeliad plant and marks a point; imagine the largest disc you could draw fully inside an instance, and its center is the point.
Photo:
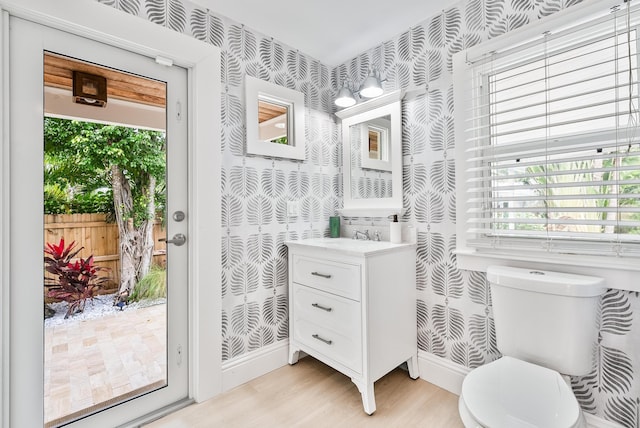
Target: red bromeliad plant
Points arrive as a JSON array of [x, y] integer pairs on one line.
[[76, 280]]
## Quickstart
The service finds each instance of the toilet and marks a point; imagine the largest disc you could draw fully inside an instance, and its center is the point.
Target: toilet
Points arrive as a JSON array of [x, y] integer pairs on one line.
[[545, 325]]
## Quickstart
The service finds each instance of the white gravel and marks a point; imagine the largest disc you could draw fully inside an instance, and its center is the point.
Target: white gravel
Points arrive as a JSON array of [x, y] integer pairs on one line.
[[96, 308]]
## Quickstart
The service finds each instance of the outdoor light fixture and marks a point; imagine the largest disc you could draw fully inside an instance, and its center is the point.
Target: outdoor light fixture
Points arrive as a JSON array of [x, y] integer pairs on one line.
[[370, 88], [89, 89]]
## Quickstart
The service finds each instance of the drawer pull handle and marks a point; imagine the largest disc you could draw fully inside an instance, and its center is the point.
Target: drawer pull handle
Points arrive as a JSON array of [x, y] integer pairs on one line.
[[324, 308], [323, 275], [321, 339]]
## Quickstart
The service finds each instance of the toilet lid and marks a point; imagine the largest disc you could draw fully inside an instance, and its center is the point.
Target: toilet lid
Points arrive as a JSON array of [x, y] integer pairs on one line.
[[516, 394]]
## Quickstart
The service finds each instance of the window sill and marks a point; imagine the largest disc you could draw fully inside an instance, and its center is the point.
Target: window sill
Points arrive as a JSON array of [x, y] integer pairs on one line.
[[621, 274]]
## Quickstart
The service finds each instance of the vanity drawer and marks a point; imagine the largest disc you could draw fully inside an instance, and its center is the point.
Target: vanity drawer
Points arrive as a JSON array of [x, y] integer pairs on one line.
[[338, 278], [328, 310], [344, 349]]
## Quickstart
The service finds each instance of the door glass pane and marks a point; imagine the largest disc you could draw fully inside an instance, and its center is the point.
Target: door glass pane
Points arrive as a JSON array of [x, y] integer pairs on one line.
[[104, 213]]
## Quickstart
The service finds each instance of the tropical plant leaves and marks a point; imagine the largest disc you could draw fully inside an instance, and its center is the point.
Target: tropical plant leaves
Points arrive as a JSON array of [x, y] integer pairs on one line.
[[431, 247], [243, 181], [232, 346], [259, 210], [442, 134], [414, 178], [616, 315], [479, 288], [168, 13], [232, 112], [271, 54], [130, 6], [242, 43], [443, 175], [465, 355], [244, 318], [411, 43], [261, 337], [509, 23], [275, 309], [415, 136], [384, 56], [244, 279], [232, 251], [311, 209], [430, 342], [623, 410], [273, 182], [428, 67], [480, 14], [447, 281], [274, 273], [207, 27], [423, 315], [429, 208], [260, 247], [232, 211], [298, 184], [448, 322], [482, 333], [297, 65], [445, 27]]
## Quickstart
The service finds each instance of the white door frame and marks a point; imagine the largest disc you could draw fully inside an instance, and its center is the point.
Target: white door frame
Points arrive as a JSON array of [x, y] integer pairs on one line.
[[202, 61]]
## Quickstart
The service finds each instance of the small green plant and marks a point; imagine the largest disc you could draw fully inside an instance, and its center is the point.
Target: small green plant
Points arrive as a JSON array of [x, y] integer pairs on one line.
[[75, 281], [152, 286]]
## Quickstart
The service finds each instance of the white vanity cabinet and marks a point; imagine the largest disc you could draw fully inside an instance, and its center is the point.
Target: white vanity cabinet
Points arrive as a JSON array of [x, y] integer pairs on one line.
[[352, 305]]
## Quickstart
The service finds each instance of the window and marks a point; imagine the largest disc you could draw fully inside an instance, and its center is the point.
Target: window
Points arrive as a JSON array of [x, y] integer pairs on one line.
[[552, 142]]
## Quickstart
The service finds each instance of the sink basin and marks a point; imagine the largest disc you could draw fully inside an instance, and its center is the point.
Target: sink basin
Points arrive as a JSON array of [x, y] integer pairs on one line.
[[347, 245]]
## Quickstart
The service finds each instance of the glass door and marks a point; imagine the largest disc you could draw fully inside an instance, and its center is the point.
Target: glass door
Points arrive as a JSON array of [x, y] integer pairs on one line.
[[101, 141]]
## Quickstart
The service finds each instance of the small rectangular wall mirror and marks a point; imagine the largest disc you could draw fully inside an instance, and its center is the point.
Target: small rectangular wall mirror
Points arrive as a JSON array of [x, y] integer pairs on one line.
[[275, 120], [372, 153]]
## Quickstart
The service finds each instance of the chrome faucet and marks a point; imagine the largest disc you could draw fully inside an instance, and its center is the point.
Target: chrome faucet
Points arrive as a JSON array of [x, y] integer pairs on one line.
[[361, 235], [376, 236]]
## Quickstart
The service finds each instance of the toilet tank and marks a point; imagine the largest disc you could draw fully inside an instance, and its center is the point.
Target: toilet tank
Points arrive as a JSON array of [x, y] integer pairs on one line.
[[546, 318]]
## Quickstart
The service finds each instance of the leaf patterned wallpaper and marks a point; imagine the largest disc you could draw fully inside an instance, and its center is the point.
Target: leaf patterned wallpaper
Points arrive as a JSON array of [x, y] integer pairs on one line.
[[454, 306], [255, 189]]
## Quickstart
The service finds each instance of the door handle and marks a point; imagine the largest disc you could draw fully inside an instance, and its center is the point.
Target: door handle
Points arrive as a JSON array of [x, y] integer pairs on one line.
[[178, 240]]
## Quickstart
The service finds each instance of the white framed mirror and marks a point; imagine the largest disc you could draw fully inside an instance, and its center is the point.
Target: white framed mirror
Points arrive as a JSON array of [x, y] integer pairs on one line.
[[372, 157], [275, 120]]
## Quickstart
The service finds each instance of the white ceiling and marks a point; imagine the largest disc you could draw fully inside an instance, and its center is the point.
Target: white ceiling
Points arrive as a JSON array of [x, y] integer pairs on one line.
[[332, 31]]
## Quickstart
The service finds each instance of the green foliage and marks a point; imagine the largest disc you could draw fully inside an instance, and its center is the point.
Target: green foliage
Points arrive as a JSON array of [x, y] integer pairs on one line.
[[78, 161], [152, 286], [75, 280], [281, 140]]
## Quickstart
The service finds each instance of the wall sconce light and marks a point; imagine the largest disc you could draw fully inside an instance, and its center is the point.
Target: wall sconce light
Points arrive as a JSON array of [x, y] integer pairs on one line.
[[370, 88], [89, 89]]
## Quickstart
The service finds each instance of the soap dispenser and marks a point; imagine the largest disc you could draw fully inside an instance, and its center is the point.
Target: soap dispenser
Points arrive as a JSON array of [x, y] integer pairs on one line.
[[395, 230]]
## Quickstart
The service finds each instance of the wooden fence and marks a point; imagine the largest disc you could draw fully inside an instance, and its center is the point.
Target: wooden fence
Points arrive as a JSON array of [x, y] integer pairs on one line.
[[99, 238]]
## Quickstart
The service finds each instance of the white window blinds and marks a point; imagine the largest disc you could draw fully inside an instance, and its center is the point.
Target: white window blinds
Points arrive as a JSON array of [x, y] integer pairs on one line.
[[552, 141]]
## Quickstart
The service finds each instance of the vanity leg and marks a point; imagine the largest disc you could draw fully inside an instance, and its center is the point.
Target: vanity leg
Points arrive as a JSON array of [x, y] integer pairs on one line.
[[412, 365], [368, 397], [294, 354]]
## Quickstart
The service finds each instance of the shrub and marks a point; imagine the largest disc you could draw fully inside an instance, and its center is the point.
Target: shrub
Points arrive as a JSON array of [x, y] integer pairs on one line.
[[152, 286], [75, 281]]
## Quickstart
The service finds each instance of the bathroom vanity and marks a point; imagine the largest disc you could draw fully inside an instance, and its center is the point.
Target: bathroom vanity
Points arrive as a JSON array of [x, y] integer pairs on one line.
[[352, 305]]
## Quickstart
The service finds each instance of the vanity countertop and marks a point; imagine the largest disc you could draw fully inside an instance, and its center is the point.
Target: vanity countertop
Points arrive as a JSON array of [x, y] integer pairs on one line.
[[349, 246]]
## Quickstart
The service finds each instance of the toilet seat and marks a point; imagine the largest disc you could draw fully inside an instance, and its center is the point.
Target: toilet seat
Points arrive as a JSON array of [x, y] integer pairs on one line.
[[510, 393]]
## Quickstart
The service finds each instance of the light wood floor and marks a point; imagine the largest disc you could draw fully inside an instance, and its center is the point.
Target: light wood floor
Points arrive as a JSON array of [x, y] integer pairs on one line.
[[311, 394]]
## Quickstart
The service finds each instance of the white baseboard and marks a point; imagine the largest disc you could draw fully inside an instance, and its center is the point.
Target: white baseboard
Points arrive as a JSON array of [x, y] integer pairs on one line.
[[441, 372], [448, 375], [254, 364]]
